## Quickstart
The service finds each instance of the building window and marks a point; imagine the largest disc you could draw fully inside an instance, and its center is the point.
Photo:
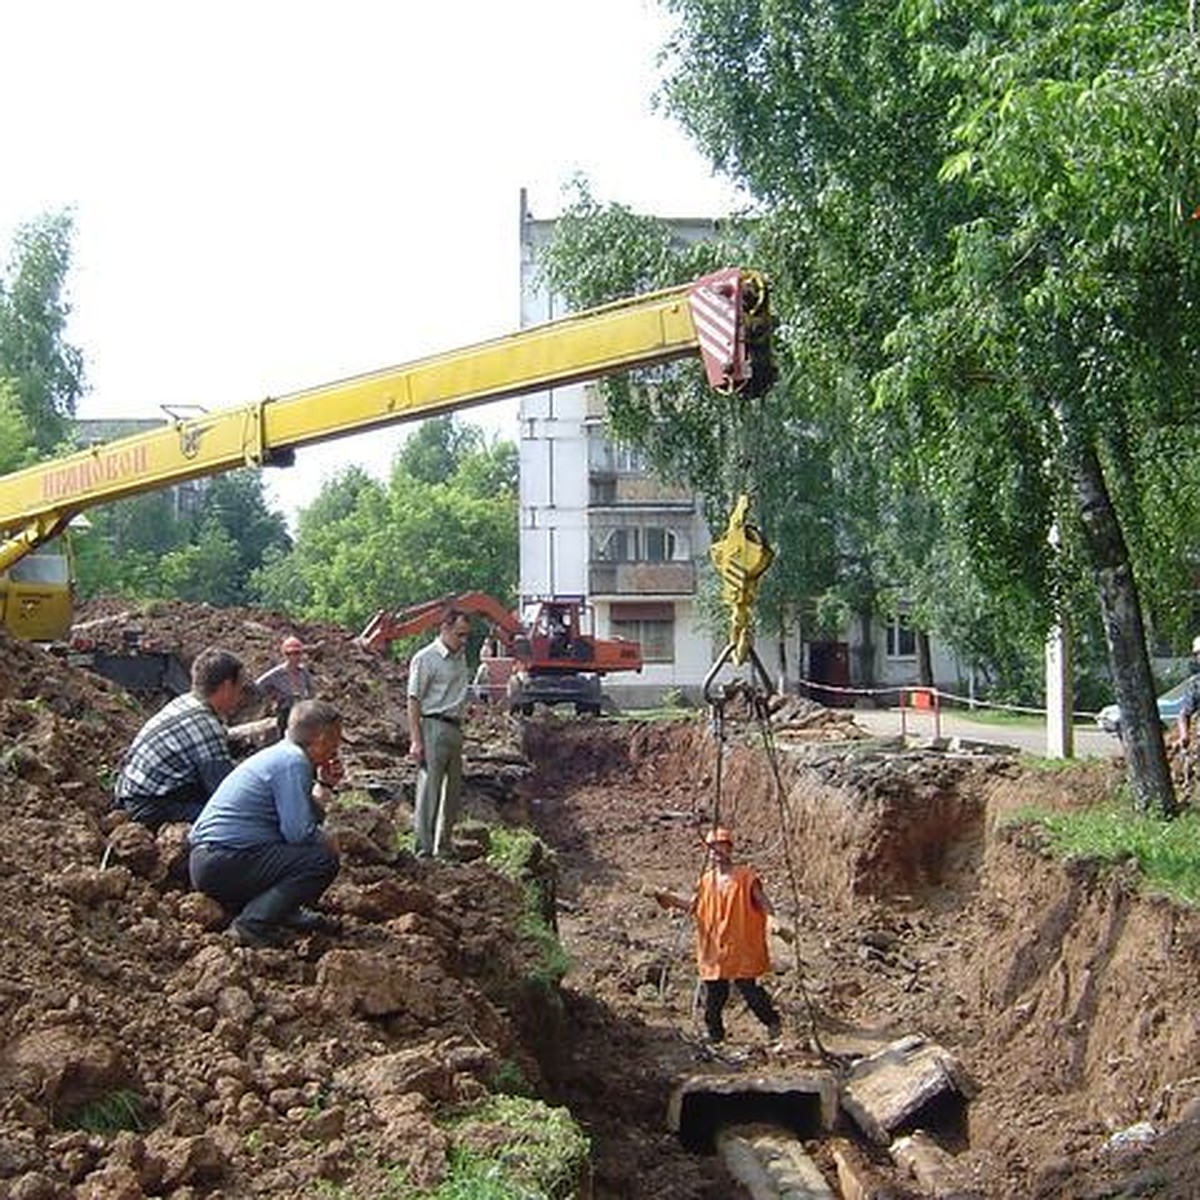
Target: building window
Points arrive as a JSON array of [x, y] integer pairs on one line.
[[613, 457], [628, 460], [901, 638], [651, 625], [659, 544], [656, 638], [635, 543]]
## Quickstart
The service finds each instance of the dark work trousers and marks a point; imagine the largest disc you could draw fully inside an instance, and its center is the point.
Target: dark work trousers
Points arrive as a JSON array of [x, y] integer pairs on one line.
[[266, 884], [716, 993], [181, 805]]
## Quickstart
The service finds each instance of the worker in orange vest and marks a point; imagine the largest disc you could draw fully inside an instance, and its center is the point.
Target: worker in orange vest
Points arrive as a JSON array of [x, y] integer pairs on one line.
[[731, 910]]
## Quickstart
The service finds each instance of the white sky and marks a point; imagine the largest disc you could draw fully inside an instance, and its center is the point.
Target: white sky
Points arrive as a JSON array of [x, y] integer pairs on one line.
[[273, 195]]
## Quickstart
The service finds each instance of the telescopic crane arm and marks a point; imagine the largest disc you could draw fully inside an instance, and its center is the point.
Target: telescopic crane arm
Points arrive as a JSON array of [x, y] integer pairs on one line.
[[722, 317]]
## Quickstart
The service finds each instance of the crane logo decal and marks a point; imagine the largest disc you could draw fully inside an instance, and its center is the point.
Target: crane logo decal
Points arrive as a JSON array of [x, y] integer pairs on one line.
[[189, 438], [82, 475]]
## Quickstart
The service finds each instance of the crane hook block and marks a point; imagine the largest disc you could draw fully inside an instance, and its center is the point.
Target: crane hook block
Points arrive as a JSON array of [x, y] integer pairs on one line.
[[741, 557]]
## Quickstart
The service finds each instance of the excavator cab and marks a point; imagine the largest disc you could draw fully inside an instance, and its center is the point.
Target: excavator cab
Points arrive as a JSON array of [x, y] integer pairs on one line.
[[35, 596]]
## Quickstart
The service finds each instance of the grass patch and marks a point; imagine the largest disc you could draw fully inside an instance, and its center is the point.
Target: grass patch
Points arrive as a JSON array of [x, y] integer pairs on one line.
[[111, 1113], [661, 715], [513, 1148], [504, 1148], [529, 862], [1167, 853]]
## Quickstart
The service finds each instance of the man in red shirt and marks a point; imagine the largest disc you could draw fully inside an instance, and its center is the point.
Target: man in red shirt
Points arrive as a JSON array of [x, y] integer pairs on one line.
[[731, 911]]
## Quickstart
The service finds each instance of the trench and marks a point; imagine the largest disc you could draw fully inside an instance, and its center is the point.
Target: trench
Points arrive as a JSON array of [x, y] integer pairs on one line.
[[668, 1118]]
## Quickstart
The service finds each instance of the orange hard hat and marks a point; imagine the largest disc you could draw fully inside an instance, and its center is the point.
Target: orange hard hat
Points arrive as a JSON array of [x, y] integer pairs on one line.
[[291, 644], [717, 835]]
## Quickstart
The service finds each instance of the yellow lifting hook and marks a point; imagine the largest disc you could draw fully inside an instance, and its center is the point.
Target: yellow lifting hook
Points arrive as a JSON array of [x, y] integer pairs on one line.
[[741, 557]]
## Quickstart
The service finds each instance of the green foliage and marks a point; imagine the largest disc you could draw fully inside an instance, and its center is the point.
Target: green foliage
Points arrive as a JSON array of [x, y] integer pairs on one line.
[[446, 521], [544, 1153], [504, 1148], [16, 436], [1167, 854], [110, 1113], [978, 222], [508, 1079], [45, 372], [148, 547], [522, 856]]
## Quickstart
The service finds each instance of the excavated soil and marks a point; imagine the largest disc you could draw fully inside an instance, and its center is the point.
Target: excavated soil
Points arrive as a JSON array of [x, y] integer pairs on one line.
[[318, 1070]]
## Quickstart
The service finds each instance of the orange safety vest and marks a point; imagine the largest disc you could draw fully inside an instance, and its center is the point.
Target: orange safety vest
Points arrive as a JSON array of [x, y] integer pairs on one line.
[[731, 931]]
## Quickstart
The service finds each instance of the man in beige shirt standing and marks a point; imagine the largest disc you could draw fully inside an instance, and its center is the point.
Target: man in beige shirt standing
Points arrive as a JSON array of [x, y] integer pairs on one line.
[[438, 681]]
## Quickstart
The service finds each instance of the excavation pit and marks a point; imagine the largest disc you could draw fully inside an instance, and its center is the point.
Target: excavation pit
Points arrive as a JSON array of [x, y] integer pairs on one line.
[[805, 1103]]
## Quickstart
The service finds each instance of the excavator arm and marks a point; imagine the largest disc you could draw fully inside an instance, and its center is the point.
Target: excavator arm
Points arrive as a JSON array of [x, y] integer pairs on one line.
[[722, 317], [386, 627]]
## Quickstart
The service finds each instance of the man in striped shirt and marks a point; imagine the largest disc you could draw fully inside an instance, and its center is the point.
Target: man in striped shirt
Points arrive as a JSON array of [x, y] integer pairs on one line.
[[182, 753]]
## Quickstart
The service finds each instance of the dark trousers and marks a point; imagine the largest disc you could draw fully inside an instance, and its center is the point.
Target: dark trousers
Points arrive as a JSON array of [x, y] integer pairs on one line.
[[181, 805], [266, 884], [716, 993]]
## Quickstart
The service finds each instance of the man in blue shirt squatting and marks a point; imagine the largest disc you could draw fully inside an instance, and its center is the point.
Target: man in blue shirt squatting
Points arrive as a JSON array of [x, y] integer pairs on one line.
[[438, 682], [258, 848]]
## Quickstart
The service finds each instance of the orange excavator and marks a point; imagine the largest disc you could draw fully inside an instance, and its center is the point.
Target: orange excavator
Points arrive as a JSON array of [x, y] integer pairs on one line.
[[551, 657]]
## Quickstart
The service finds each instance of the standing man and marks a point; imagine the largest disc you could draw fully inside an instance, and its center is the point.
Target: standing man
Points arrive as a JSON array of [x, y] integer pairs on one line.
[[182, 753], [438, 681], [731, 911], [258, 848], [289, 681]]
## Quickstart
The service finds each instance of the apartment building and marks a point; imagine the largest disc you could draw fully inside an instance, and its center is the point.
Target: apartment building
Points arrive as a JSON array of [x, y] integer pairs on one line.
[[595, 523]]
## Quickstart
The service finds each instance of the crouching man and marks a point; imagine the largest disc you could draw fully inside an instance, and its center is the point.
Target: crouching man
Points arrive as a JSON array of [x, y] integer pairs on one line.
[[258, 848]]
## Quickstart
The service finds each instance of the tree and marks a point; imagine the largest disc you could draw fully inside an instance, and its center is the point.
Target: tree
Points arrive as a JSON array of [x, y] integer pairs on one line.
[[446, 521], [147, 548], [1071, 292], [16, 438], [718, 446], [976, 216], [46, 371]]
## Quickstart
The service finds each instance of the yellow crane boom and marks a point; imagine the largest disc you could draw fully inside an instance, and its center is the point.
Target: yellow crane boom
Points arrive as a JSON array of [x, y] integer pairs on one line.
[[722, 317]]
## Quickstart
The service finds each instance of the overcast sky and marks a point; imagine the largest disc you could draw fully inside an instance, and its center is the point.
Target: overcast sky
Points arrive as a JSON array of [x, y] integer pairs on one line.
[[273, 195]]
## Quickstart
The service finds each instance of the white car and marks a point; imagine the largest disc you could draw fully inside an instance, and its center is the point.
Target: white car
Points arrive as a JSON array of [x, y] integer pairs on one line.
[[1169, 704]]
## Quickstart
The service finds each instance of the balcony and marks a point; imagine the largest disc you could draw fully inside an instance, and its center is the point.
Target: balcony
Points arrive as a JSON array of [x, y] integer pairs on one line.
[[613, 491], [642, 579]]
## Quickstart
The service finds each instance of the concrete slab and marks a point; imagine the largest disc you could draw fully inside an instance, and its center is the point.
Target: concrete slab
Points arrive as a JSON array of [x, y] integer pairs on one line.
[[936, 1171], [913, 1081]]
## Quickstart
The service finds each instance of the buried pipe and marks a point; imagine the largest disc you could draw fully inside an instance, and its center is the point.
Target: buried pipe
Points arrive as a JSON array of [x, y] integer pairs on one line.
[[805, 1104], [755, 1124], [770, 1163]]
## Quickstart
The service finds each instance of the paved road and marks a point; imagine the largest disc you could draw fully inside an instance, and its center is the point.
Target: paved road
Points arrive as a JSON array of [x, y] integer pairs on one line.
[[1090, 742]]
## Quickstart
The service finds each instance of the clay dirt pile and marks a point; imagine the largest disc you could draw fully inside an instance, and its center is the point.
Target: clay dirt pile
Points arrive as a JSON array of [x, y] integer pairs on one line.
[[143, 1055]]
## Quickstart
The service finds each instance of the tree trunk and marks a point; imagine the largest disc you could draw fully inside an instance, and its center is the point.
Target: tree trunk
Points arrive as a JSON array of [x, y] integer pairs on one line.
[[781, 647], [865, 676], [1146, 759], [924, 659]]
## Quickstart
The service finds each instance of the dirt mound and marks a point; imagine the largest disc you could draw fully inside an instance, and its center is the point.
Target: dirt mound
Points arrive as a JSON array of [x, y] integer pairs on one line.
[[327, 1068], [233, 1072]]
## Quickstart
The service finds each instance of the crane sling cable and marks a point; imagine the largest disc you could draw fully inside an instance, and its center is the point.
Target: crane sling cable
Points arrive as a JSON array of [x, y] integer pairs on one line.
[[741, 557]]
